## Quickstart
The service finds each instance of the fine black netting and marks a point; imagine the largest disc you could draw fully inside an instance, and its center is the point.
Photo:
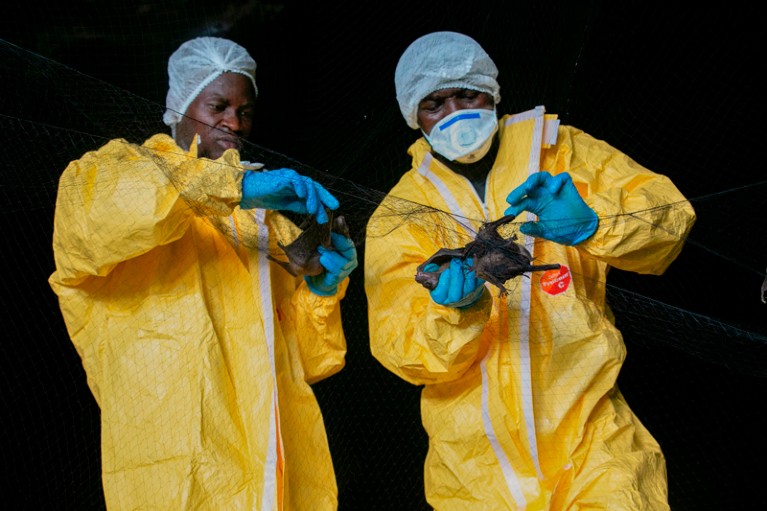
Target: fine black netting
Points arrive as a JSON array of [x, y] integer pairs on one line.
[[671, 87]]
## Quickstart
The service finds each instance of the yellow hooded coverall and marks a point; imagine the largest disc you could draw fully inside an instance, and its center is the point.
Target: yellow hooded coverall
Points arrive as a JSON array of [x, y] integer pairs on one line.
[[199, 351], [520, 401]]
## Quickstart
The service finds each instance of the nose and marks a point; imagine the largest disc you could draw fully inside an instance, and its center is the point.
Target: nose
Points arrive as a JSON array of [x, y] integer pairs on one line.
[[452, 104], [231, 120]]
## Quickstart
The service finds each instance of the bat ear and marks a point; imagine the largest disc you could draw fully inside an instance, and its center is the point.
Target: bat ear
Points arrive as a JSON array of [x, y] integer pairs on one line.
[[495, 224], [339, 225], [287, 266]]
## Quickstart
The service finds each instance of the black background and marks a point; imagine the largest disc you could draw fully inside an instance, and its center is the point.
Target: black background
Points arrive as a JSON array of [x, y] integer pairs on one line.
[[677, 88]]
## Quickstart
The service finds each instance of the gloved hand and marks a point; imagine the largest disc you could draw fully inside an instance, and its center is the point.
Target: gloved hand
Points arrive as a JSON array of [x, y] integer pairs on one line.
[[288, 190], [458, 286], [338, 264], [563, 216]]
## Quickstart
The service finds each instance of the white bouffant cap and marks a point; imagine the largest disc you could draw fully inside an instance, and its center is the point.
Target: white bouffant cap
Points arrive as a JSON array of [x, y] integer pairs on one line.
[[195, 64], [442, 60]]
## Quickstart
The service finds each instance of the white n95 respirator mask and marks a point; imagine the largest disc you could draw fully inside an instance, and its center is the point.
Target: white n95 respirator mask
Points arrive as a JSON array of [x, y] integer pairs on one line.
[[464, 136]]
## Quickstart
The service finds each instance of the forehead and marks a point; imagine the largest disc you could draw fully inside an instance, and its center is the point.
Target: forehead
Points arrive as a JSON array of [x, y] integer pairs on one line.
[[230, 85], [444, 93]]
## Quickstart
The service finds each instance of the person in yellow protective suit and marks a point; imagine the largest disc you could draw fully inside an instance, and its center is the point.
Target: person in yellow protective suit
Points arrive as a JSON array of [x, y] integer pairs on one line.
[[200, 349], [519, 395]]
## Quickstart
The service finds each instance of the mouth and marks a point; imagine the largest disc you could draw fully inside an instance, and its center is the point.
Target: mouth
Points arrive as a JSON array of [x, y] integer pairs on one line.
[[230, 143]]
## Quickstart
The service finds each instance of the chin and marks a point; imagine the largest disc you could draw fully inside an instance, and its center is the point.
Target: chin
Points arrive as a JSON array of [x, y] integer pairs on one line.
[[207, 153]]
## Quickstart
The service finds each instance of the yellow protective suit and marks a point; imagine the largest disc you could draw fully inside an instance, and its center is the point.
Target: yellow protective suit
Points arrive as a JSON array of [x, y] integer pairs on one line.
[[199, 351], [520, 400]]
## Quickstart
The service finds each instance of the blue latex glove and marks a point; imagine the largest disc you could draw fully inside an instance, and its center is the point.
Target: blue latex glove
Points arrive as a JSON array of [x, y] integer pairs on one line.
[[338, 264], [458, 286], [563, 216], [286, 189]]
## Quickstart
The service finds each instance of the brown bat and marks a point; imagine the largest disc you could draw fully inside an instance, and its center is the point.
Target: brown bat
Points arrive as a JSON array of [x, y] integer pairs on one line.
[[303, 257], [495, 259]]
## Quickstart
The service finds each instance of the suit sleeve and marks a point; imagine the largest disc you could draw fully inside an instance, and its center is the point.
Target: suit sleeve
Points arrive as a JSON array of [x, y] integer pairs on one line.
[[644, 219], [415, 338], [122, 200]]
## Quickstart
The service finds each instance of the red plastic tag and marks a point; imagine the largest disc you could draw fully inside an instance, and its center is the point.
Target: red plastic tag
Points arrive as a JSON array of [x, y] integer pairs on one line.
[[556, 281]]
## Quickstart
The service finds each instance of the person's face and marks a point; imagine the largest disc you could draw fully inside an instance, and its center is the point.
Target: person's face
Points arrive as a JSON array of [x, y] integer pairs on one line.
[[441, 103], [222, 114]]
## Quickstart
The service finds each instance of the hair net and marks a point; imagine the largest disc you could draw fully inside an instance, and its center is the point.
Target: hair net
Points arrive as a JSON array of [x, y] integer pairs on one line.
[[442, 60], [195, 64]]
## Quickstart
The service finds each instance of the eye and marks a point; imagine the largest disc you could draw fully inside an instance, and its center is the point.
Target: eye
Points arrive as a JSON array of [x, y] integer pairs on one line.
[[430, 105], [246, 114], [469, 94]]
